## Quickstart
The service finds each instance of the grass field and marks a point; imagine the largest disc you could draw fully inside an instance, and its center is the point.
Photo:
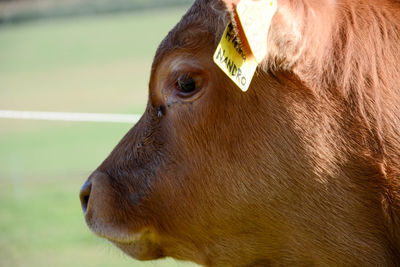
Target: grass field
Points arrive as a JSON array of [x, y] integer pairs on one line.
[[93, 64]]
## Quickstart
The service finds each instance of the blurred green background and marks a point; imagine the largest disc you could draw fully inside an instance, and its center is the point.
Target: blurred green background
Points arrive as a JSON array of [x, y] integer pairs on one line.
[[73, 56]]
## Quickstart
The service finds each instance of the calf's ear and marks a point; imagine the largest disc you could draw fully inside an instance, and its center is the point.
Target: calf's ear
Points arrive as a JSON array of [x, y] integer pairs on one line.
[[288, 31]]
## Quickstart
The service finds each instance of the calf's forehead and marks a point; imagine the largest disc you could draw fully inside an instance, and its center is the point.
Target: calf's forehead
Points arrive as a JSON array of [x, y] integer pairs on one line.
[[202, 25]]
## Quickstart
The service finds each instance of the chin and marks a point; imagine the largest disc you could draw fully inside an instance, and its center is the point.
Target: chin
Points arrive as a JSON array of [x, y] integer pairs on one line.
[[140, 246], [142, 250]]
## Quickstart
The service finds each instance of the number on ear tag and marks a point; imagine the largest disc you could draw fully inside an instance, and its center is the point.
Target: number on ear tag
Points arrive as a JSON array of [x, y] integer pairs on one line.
[[238, 65]]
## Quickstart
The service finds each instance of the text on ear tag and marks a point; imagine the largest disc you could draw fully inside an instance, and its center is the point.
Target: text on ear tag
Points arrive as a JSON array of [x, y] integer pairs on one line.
[[255, 18], [233, 61]]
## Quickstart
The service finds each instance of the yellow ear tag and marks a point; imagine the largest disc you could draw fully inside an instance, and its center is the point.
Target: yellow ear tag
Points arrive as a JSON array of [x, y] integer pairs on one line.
[[233, 61], [255, 18]]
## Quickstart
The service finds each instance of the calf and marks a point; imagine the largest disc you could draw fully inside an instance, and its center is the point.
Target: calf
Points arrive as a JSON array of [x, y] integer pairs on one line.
[[303, 169]]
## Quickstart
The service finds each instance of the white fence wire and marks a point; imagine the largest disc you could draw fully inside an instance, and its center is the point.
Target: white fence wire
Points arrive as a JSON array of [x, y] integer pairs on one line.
[[70, 116]]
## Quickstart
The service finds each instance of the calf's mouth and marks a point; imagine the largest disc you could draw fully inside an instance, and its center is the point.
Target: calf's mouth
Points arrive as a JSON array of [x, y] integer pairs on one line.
[[98, 205]]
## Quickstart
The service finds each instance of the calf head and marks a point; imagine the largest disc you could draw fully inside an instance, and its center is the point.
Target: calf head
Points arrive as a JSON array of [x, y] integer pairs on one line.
[[285, 173]]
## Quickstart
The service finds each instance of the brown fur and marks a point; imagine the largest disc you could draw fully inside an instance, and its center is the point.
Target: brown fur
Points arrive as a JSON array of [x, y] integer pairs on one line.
[[301, 170]]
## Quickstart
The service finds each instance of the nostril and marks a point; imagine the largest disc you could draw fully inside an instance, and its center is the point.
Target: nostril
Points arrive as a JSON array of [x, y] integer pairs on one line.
[[84, 195]]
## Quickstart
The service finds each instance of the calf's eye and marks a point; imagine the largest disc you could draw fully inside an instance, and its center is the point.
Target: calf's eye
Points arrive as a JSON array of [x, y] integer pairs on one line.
[[186, 84]]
